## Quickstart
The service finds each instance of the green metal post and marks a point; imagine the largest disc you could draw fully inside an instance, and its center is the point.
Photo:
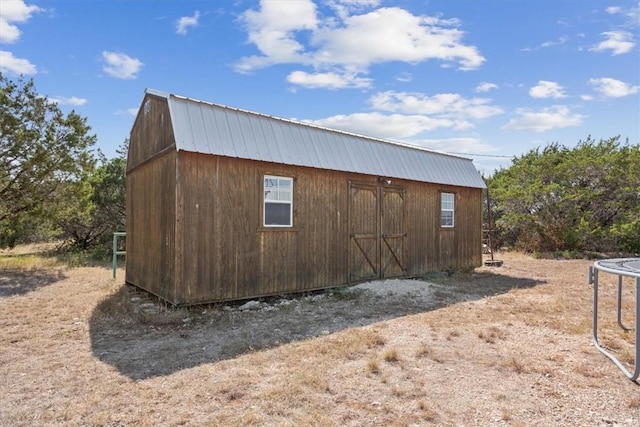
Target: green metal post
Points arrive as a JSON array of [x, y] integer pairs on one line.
[[116, 252]]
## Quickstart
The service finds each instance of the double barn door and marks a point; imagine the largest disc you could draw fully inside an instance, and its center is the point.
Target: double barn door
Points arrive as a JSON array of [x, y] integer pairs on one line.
[[376, 232]]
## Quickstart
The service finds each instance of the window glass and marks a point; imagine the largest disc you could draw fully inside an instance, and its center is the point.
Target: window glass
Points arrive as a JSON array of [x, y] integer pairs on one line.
[[278, 201], [447, 201]]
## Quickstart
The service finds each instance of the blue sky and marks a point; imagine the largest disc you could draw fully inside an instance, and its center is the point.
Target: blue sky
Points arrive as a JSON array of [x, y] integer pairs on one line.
[[489, 79]]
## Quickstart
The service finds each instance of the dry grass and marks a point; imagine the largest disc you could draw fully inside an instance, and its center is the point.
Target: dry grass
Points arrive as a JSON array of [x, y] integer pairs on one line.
[[515, 364], [373, 366], [512, 347], [506, 414], [391, 356], [428, 414], [492, 334]]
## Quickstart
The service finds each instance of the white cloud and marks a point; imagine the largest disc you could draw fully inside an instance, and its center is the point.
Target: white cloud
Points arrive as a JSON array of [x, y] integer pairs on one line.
[[327, 80], [618, 42], [613, 88], [632, 14], [349, 43], [120, 65], [394, 34], [445, 105], [405, 77], [74, 100], [389, 126], [11, 64], [11, 13], [486, 87], [561, 40], [185, 22], [558, 116], [547, 89], [272, 30], [403, 115], [344, 8], [586, 97]]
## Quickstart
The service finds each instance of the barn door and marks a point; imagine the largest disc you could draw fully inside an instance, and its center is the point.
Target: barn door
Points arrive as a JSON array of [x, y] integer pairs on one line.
[[364, 246], [376, 232], [393, 232]]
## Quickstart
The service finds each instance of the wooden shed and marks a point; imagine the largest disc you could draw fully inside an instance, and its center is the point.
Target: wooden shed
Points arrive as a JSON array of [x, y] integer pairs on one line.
[[226, 204]]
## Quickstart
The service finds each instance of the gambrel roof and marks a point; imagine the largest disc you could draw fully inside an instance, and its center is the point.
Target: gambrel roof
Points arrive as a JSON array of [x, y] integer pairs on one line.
[[208, 128]]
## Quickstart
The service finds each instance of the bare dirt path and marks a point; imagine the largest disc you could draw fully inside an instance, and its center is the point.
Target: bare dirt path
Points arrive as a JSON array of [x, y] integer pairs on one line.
[[507, 346]]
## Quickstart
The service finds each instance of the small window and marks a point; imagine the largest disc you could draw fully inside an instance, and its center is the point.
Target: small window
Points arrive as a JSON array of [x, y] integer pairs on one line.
[[278, 201], [447, 206]]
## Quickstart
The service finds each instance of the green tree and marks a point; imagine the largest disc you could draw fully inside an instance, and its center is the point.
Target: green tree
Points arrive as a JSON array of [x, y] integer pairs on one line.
[[104, 211], [44, 162], [585, 198]]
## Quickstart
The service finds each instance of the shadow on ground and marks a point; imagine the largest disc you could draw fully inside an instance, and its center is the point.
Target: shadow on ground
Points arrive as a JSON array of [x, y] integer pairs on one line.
[[142, 339], [20, 282]]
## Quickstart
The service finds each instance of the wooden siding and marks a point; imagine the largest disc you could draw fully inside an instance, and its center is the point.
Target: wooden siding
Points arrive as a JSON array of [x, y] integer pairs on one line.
[[152, 132], [228, 254], [224, 252], [151, 208]]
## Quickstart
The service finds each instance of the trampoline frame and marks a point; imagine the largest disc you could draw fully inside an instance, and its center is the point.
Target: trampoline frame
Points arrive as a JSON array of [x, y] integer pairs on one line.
[[616, 266]]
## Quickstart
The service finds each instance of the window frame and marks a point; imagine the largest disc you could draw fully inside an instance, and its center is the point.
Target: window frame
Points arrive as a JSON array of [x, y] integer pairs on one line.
[[452, 209], [278, 190]]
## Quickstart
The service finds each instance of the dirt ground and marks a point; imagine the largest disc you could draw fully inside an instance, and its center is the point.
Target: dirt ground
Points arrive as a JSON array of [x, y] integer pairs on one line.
[[498, 346]]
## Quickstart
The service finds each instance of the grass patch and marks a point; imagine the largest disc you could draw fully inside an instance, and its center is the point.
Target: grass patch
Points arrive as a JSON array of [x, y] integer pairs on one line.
[[41, 256], [345, 293], [424, 351], [515, 365], [505, 414], [428, 414], [25, 262], [492, 334], [391, 356], [373, 367], [588, 371], [634, 403]]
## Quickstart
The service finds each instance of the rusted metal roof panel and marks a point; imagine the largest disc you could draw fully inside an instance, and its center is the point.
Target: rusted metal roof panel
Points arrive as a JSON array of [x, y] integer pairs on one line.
[[209, 128]]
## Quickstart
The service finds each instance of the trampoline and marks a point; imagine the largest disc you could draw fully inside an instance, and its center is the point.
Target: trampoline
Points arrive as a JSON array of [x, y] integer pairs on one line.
[[629, 267]]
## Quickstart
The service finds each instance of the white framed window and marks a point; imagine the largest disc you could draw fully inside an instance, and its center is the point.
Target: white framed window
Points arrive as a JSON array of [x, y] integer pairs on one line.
[[447, 209], [277, 209]]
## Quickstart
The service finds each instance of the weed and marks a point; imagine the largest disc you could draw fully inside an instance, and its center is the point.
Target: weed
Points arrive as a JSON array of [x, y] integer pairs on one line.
[[627, 356], [428, 352], [492, 334], [424, 351], [515, 365], [373, 366], [399, 391], [506, 414], [611, 343], [588, 371], [579, 327], [376, 340], [453, 334], [428, 414], [391, 356], [345, 293]]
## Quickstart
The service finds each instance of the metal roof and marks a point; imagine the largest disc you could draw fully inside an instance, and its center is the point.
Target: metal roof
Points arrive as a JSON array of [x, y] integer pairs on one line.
[[209, 128]]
